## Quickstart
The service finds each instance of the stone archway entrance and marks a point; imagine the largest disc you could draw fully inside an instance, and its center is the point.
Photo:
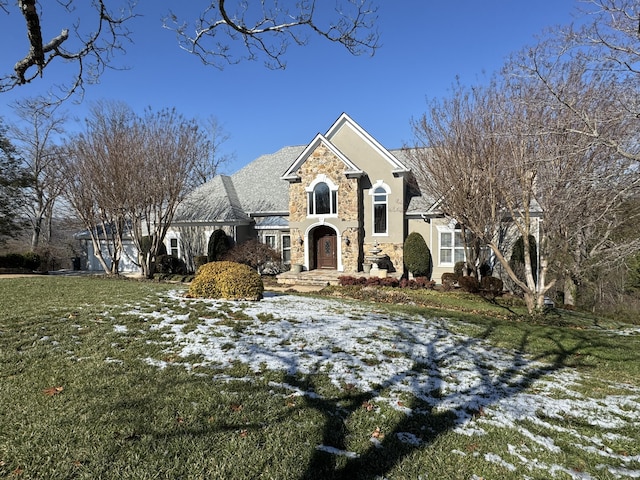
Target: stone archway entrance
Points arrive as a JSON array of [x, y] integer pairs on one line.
[[325, 248]]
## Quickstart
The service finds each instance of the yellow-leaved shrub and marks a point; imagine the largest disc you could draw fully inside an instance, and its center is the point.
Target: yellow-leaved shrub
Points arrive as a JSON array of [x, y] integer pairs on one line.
[[228, 280]]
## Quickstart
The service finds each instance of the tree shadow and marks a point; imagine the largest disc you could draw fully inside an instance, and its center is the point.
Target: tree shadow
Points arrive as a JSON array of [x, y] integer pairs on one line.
[[431, 413], [433, 408]]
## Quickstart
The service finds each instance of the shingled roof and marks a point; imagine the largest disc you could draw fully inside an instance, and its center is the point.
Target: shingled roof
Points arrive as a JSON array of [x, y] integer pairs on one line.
[[258, 190], [255, 190], [259, 186]]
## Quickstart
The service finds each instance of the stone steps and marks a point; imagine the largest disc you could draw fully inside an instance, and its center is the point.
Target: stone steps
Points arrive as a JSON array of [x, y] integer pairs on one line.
[[313, 277], [320, 278]]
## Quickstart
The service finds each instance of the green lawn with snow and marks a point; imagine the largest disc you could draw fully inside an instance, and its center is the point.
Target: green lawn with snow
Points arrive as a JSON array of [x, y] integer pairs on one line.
[[123, 379]]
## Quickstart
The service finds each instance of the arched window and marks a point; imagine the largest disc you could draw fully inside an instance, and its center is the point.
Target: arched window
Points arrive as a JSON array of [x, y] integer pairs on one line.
[[380, 194], [322, 197]]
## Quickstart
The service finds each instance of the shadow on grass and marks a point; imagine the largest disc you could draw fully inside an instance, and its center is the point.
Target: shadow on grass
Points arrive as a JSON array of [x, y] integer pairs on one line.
[[427, 421]]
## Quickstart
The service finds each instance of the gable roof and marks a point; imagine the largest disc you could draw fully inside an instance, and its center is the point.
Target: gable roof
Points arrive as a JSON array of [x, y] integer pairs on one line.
[[261, 190], [345, 121], [352, 169]]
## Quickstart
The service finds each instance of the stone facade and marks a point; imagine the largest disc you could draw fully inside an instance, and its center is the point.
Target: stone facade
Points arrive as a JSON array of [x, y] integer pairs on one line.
[[322, 162]]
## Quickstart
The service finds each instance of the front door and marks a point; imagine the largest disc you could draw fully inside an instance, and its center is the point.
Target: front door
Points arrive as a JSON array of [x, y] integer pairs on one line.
[[326, 253]]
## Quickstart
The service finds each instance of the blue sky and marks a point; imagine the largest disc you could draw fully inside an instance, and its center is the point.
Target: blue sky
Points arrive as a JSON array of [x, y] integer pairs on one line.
[[425, 45]]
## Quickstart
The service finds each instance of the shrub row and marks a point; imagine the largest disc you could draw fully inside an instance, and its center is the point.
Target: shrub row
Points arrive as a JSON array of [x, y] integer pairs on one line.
[[28, 261], [414, 284]]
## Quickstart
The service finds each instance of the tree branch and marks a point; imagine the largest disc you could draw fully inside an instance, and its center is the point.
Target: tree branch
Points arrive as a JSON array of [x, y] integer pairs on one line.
[[267, 30]]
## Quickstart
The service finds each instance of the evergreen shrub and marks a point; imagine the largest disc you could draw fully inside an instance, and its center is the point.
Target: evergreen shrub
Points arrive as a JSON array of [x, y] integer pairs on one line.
[[516, 262], [170, 264], [31, 260], [219, 245], [145, 246], [228, 280], [417, 256], [28, 261], [458, 269]]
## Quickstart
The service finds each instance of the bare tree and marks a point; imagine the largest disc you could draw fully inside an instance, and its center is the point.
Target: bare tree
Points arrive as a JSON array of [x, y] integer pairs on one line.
[[480, 170], [193, 242], [99, 164], [130, 172], [41, 156], [266, 28], [91, 35], [603, 51], [590, 78], [506, 156], [212, 157], [168, 152]]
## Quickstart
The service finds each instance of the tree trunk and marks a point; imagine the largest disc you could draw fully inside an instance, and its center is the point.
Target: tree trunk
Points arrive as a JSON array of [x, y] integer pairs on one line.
[[570, 291], [35, 234]]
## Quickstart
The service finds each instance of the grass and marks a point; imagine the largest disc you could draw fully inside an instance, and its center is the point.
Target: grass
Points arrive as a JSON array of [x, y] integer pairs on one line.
[[92, 387]]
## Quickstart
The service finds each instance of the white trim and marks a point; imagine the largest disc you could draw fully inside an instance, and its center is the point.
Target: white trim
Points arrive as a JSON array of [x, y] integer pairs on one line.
[[173, 235], [446, 229], [283, 248], [333, 190], [291, 176], [321, 178], [372, 194], [322, 223], [275, 240], [344, 119]]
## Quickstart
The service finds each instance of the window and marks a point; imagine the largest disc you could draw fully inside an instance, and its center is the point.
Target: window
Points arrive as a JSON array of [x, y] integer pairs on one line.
[[173, 245], [379, 193], [322, 197], [379, 210], [270, 241], [286, 249], [451, 246]]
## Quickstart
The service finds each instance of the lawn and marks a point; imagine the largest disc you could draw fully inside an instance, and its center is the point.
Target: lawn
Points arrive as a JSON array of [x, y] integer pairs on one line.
[[118, 379]]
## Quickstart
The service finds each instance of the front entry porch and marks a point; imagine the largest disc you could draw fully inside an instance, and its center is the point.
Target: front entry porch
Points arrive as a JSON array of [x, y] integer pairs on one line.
[[310, 277]]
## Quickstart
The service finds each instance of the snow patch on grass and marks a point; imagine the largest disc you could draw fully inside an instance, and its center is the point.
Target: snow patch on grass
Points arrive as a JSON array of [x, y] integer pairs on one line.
[[477, 385]]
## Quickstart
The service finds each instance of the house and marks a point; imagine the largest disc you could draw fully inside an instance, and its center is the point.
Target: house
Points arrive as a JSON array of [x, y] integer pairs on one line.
[[88, 260], [328, 205], [324, 205]]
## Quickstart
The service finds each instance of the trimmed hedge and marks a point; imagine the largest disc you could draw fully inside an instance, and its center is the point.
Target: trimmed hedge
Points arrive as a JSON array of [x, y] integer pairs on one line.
[[418, 283], [448, 280], [516, 262], [171, 265], [228, 280], [417, 256], [219, 245], [27, 261]]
